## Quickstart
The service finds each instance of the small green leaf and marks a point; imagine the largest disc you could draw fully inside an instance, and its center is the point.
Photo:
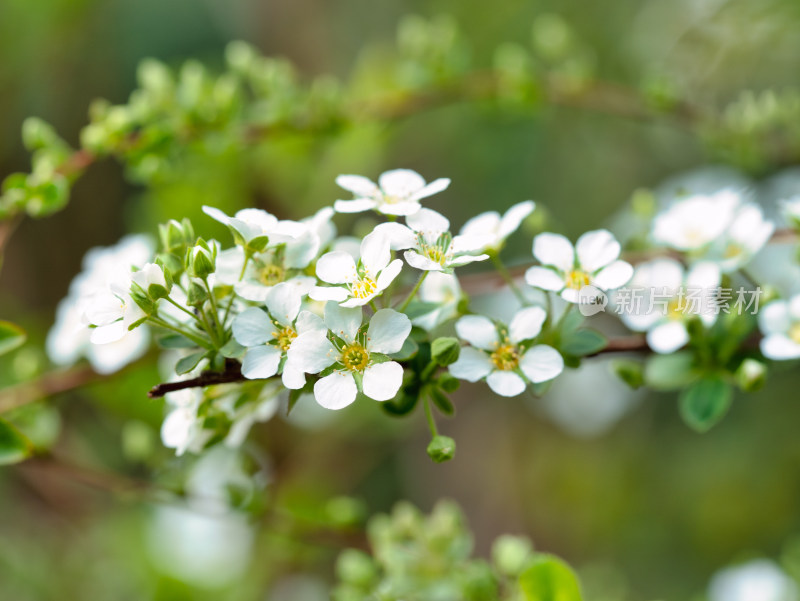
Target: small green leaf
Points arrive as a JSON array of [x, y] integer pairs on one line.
[[418, 309], [232, 350], [441, 401], [410, 348], [670, 372], [11, 337], [705, 402], [583, 342], [445, 351], [401, 405], [175, 341], [14, 447], [448, 382], [189, 362], [570, 322], [629, 371], [549, 579]]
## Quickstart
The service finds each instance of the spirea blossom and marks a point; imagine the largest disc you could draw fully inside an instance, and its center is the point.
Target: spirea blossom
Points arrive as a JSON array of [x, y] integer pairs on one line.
[[497, 228], [397, 192], [780, 323]]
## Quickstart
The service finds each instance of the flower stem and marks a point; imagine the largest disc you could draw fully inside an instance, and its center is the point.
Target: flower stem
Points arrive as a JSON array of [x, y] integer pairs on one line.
[[503, 271], [168, 326], [184, 309], [429, 416], [215, 323], [373, 305], [413, 292]]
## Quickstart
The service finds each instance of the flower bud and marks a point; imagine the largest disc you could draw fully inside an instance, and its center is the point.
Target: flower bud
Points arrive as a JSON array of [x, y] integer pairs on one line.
[[200, 260], [154, 281], [356, 567], [196, 295], [511, 553], [442, 448], [751, 375], [445, 351], [175, 235]]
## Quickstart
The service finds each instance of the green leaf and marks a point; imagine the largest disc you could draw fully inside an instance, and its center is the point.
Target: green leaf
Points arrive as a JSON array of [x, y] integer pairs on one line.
[[670, 372], [175, 341], [419, 308], [409, 349], [629, 371], [402, 405], [583, 342], [445, 351], [14, 447], [441, 401], [11, 337], [570, 322], [189, 362], [549, 579], [705, 402]]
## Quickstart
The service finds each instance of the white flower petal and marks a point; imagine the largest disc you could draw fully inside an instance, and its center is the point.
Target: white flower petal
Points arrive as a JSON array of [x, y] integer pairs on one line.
[[358, 205], [310, 322], [480, 225], [387, 331], [704, 275], [418, 261], [465, 259], [780, 347], [335, 391], [554, 249], [283, 303], [261, 362], [472, 365], [514, 217], [388, 275], [478, 330], [667, 337], [541, 363], [336, 267], [399, 208], [110, 333], [544, 278], [775, 318], [375, 253], [596, 249], [432, 188], [328, 293], [471, 243], [252, 327], [358, 185], [312, 352], [383, 380], [615, 275], [342, 321], [428, 221], [505, 383], [399, 236], [293, 377], [401, 183], [526, 324]]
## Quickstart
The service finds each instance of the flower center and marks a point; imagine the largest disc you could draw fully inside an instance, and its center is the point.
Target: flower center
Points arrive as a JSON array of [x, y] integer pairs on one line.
[[355, 357], [505, 357], [364, 287], [577, 279], [271, 274], [391, 199], [284, 336], [438, 251], [733, 250], [794, 332], [675, 309]]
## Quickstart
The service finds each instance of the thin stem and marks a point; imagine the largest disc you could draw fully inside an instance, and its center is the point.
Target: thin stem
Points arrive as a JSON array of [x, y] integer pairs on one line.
[[373, 305], [168, 326], [429, 416], [214, 309], [184, 309], [413, 292], [504, 273]]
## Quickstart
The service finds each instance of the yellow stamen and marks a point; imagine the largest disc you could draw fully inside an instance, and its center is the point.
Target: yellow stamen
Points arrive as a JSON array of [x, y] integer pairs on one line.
[[355, 357], [364, 288], [285, 337], [577, 279], [794, 332], [269, 275], [505, 357]]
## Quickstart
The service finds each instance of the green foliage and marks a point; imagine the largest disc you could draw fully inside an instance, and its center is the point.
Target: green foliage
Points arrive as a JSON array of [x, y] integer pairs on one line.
[[549, 579], [705, 402], [14, 447], [441, 448], [11, 337]]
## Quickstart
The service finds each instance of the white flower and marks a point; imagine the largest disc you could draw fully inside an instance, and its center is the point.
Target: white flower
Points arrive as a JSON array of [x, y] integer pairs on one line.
[[252, 227], [719, 227], [358, 357], [593, 261], [504, 355], [431, 245], [696, 221], [498, 227], [244, 415], [357, 283], [398, 192], [780, 323], [668, 298], [182, 428], [69, 338], [268, 336], [757, 580], [443, 290]]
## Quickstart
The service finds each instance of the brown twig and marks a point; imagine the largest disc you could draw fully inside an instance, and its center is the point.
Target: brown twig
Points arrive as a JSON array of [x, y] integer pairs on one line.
[[232, 373], [48, 385]]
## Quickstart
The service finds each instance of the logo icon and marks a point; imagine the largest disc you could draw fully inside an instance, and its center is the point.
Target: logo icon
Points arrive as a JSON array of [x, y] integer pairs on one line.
[[591, 300]]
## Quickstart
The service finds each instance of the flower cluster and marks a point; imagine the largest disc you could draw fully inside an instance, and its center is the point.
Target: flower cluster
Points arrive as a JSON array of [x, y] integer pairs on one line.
[[291, 309]]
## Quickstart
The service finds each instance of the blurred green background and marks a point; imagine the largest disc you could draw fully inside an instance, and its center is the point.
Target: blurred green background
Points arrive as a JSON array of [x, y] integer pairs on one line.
[[645, 507]]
